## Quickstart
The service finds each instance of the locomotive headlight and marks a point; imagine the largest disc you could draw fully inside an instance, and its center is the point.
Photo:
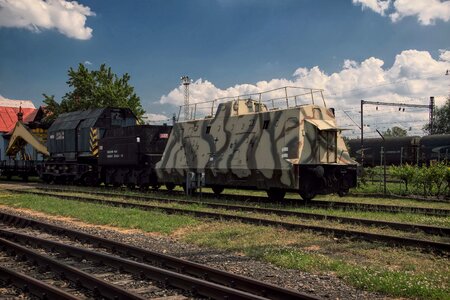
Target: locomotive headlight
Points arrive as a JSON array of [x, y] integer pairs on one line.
[[138, 140]]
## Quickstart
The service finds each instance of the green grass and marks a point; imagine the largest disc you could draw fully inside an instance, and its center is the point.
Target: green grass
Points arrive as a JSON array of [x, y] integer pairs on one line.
[[395, 283], [149, 221]]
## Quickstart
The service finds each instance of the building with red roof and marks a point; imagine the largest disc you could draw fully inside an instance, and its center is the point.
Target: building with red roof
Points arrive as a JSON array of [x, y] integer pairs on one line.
[[10, 108], [8, 119]]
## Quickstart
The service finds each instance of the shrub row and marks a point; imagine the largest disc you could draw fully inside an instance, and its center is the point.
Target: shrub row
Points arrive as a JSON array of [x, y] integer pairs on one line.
[[433, 180]]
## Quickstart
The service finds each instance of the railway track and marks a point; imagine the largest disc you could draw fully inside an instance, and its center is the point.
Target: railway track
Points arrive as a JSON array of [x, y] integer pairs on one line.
[[29, 285], [442, 231], [314, 203], [337, 232], [346, 205], [400, 197], [198, 280], [64, 274]]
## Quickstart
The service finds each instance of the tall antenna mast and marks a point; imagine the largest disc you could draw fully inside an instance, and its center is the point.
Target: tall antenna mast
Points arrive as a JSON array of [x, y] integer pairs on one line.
[[186, 81]]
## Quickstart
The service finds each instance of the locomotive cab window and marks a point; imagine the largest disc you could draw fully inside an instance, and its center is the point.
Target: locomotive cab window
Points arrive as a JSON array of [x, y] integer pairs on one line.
[[116, 118]]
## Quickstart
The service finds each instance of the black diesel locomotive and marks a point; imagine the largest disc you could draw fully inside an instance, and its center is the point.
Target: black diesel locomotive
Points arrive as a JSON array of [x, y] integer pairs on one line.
[[103, 145], [401, 150]]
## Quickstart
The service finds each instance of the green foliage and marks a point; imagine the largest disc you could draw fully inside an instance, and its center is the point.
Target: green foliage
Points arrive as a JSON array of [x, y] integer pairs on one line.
[[395, 131], [447, 176], [368, 174], [405, 173], [427, 181], [95, 89], [441, 124]]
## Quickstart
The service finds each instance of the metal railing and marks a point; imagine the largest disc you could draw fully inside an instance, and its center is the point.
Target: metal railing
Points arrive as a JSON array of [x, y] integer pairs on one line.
[[279, 98]]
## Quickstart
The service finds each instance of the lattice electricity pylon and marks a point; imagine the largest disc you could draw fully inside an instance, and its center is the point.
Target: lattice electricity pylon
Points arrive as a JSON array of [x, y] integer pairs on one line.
[[429, 106], [186, 81]]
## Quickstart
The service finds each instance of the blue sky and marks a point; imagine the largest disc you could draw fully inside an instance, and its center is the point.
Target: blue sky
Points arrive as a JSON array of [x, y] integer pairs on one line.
[[224, 42]]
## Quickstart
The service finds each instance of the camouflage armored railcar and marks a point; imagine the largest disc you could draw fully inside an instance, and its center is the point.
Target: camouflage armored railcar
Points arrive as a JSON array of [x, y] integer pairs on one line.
[[247, 146]]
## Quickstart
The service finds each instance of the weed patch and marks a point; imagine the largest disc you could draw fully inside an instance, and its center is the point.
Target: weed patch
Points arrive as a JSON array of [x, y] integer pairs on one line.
[[368, 266]]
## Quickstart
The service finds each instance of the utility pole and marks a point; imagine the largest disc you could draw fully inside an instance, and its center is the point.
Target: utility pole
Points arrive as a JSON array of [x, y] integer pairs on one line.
[[186, 81], [384, 162], [362, 133], [431, 114], [400, 105], [448, 74]]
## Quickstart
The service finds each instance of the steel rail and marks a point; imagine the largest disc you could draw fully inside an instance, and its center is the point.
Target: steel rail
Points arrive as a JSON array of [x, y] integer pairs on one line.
[[169, 262], [337, 232], [99, 287], [168, 278], [442, 231], [380, 207], [33, 286], [399, 197]]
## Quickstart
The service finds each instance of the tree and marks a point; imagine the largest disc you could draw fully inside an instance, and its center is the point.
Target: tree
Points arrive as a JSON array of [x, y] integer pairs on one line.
[[441, 122], [94, 89], [395, 131]]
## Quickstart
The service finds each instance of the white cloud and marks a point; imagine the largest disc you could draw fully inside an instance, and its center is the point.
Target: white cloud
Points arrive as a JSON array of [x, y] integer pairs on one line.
[[5, 102], [150, 118], [68, 17], [426, 11], [88, 63], [413, 78], [445, 55], [379, 6]]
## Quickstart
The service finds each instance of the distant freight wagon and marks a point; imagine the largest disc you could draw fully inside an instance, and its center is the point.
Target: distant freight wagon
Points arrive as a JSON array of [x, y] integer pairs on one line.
[[402, 150]]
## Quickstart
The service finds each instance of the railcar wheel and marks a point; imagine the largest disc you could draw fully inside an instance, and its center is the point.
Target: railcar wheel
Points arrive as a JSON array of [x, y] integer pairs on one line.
[[116, 184], [307, 195], [342, 193], [155, 187], [59, 180], [90, 180], [217, 190], [170, 186], [47, 179], [143, 188], [275, 195]]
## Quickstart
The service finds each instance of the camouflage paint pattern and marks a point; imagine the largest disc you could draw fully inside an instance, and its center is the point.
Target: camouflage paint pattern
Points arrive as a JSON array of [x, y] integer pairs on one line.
[[247, 145]]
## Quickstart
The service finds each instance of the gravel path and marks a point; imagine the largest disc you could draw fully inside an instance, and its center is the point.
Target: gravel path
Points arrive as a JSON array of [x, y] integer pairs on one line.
[[326, 286]]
